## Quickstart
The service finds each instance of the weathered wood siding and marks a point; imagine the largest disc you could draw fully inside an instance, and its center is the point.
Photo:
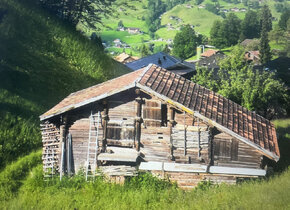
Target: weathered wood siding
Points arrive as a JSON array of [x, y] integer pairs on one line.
[[156, 136], [190, 180], [228, 151]]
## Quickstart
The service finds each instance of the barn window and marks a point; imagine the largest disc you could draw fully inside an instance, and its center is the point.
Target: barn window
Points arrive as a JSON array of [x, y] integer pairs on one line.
[[226, 149], [114, 131]]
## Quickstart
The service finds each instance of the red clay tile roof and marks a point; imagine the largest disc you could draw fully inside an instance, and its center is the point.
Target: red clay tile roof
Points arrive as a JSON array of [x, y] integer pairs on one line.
[[209, 53], [191, 97]]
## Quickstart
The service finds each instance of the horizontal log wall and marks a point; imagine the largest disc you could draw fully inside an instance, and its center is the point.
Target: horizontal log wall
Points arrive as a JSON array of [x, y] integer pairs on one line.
[[236, 153]]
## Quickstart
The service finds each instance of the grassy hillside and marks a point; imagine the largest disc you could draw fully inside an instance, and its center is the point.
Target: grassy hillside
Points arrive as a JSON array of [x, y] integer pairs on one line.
[[135, 17], [41, 61]]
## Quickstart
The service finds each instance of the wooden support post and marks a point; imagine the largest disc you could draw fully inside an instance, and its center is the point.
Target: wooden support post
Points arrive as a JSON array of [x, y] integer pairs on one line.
[[171, 125], [198, 138], [184, 122], [105, 119], [62, 129], [138, 119]]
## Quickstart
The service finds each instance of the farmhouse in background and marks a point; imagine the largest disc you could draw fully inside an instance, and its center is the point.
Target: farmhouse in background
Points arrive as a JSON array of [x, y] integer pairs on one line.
[[133, 30], [125, 58], [166, 61], [211, 62], [155, 120], [210, 52], [253, 56]]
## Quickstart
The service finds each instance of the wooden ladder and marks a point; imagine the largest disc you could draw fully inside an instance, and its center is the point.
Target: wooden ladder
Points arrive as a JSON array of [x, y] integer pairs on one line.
[[92, 147], [49, 169]]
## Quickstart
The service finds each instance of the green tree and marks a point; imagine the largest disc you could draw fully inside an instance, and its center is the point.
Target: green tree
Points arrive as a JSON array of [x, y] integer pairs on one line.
[[276, 34], [216, 35], [166, 49], [266, 18], [120, 24], [238, 81], [250, 26], [185, 43], [284, 18], [144, 51], [226, 33], [265, 51]]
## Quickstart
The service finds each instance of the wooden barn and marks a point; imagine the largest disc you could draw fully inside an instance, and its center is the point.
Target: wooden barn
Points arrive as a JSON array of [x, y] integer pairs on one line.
[[155, 120]]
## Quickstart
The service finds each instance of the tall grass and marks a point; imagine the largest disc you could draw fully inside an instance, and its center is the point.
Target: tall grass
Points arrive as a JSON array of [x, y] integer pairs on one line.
[[11, 178], [147, 192]]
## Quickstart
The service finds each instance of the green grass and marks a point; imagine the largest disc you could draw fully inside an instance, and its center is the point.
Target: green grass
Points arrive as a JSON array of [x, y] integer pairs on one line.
[[42, 60], [22, 187], [200, 18]]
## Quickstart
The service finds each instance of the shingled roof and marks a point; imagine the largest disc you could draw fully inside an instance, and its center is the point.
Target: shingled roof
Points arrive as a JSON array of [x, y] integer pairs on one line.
[[194, 99]]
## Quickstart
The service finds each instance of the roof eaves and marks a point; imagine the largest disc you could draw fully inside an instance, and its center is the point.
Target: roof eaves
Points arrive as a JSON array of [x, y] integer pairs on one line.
[[91, 100], [182, 107]]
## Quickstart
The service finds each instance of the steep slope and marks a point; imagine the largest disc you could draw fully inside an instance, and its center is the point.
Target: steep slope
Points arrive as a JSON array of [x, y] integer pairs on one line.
[[41, 61]]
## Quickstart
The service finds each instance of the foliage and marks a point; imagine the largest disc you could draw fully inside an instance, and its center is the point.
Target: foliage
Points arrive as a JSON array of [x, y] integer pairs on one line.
[[148, 181], [264, 49], [226, 33], [253, 89], [185, 42], [155, 9], [144, 50], [284, 18], [212, 8], [266, 18], [250, 26], [87, 12]]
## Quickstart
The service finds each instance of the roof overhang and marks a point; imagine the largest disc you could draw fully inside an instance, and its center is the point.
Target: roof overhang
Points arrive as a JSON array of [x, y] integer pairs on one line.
[[210, 122]]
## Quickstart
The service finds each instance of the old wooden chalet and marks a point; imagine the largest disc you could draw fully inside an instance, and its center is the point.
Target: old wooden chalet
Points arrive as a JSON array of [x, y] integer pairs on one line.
[[155, 120]]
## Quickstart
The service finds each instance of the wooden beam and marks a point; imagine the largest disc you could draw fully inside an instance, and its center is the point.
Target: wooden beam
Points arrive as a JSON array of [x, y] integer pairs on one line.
[[105, 120], [138, 119]]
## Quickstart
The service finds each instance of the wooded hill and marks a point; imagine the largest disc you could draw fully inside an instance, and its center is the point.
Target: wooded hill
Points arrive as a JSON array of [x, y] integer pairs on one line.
[[42, 60], [193, 12]]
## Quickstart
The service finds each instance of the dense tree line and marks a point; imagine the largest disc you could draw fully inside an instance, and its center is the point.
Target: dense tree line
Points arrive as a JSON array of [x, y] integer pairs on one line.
[[232, 30], [185, 42], [88, 12], [256, 90]]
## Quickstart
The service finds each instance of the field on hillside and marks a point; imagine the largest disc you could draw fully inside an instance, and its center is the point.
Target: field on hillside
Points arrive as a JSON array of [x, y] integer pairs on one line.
[[42, 60], [22, 187], [200, 18]]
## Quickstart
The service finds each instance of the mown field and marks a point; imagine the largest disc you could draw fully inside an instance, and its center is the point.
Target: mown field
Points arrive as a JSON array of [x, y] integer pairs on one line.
[[22, 187]]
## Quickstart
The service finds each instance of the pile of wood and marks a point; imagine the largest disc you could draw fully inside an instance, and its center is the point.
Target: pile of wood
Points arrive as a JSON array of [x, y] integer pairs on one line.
[[51, 150], [119, 170]]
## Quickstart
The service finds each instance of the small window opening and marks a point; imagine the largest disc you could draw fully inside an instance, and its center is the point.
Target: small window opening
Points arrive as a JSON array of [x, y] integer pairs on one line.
[[164, 115]]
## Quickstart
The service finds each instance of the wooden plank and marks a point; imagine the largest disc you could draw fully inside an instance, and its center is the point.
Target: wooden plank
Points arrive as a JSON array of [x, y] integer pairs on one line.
[[236, 171]]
